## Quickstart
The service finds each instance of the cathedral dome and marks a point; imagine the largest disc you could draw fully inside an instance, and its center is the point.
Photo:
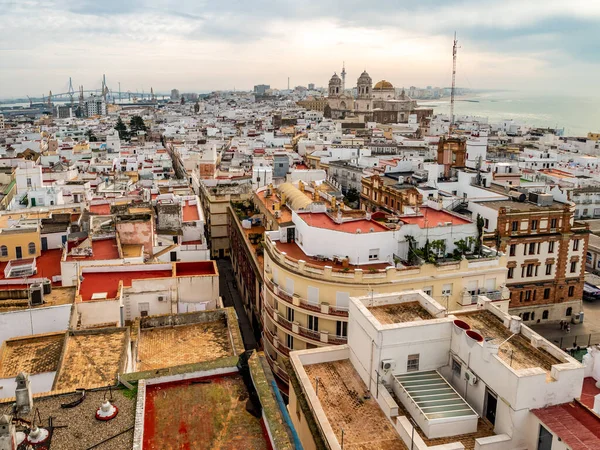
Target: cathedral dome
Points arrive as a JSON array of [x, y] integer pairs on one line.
[[383, 84], [335, 80]]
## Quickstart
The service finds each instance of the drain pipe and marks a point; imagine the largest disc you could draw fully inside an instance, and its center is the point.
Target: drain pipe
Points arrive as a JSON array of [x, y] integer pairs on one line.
[[286, 416]]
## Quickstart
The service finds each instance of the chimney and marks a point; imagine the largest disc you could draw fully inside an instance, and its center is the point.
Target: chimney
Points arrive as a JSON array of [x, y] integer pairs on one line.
[[8, 435], [24, 400]]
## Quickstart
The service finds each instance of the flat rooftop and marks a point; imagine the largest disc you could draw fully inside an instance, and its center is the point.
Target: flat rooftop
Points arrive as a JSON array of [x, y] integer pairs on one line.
[[91, 359], [431, 218], [190, 212], [108, 282], [132, 250], [517, 352], [196, 268], [521, 206], [47, 265], [102, 249], [322, 220], [399, 313], [80, 428], [342, 394], [294, 251], [201, 414], [170, 346], [100, 210], [285, 213], [58, 296], [32, 355]]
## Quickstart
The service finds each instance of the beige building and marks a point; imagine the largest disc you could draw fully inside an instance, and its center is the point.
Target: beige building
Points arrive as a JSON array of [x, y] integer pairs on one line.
[[306, 292]]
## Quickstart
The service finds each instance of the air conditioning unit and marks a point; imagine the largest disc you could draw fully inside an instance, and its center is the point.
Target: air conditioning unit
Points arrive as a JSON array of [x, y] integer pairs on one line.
[[388, 364], [470, 377], [161, 298]]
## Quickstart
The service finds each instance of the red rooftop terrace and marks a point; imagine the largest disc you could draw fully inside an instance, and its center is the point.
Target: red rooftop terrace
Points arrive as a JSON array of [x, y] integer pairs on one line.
[[106, 280]]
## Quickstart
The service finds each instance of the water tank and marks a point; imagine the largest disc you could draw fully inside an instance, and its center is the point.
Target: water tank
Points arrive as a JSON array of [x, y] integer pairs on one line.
[[47, 287], [517, 196], [36, 294]]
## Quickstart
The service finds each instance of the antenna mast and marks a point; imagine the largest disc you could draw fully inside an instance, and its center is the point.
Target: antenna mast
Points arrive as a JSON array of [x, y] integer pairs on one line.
[[454, 51]]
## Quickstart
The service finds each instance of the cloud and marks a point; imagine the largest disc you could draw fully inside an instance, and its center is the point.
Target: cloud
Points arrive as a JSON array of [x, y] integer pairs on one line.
[[216, 44]]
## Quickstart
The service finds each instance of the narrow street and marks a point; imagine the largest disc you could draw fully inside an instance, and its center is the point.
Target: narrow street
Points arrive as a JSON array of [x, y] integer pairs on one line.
[[231, 297]]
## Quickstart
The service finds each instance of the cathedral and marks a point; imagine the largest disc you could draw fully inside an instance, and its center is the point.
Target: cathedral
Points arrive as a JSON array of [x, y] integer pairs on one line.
[[378, 103]]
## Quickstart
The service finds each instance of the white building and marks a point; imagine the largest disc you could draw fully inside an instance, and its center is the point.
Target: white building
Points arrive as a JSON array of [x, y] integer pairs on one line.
[[410, 363]]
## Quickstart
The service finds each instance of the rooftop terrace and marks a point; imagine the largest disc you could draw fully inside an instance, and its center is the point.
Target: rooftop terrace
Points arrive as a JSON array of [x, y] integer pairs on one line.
[[517, 351], [108, 282], [102, 249], [343, 396], [190, 212], [400, 312], [322, 220], [79, 428], [170, 346], [431, 218], [196, 268], [201, 414]]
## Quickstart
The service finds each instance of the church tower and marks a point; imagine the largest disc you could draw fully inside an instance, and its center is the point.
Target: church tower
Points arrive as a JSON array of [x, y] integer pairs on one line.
[[343, 73], [335, 86], [364, 100]]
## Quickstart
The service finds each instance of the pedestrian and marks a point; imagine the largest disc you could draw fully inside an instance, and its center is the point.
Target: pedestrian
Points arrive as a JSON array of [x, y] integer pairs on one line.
[[568, 328], [562, 324]]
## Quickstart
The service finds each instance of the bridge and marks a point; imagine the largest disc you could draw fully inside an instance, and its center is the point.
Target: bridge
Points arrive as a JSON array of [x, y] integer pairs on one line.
[[111, 95]]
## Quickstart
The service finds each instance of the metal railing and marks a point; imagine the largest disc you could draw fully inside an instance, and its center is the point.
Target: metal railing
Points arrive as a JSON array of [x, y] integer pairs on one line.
[[302, 303]]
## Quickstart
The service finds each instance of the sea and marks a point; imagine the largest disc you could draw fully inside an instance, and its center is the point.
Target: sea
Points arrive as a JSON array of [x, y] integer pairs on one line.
[[576, 115]]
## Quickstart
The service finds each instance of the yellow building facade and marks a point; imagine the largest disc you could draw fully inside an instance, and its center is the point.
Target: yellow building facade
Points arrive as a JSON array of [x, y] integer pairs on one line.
[[19, 243], [305, 305]]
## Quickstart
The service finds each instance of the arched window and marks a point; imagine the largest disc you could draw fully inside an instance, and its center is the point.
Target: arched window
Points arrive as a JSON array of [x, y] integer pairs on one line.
[[32, 248], [569, 311], [3, 250], [545, 314]]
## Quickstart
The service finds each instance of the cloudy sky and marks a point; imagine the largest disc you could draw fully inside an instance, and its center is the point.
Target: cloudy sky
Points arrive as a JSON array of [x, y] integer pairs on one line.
[[546, 45]]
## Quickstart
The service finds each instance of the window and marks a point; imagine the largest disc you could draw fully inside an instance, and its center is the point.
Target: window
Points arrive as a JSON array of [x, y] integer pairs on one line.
[[529, 270], [551, 247], [32, 248], [412, 365], [544, 439], [447, 289], [28, 182], [533, 316], [374, 254], [512, 249], [546, 293], [548, 269], [573, 266], [569, 311], [534, 225], [289, 341], [571, 291], [576, 245], [290, 314], [341, 328], [545, 314], [527, 296], [511, 272], [532, 248], [3, 250], [525, 317], [552, 223], [515, 226], [313, 323], [456, 367]]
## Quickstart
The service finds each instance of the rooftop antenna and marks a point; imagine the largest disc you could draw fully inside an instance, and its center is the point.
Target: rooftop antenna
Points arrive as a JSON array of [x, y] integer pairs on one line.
[[288, 83], [454, 51], [343, 74]]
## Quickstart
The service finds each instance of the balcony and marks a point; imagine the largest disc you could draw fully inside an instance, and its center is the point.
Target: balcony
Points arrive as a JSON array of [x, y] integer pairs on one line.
[[295, 300], [278, 371], [274, 341], [295, 329]]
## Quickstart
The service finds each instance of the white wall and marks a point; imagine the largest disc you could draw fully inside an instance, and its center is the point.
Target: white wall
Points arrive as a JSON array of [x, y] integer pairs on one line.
[[45, 320], [40, 382], [99, 311]]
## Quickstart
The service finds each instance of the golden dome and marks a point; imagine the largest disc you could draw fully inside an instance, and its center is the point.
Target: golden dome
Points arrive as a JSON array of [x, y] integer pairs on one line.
[[383, 84]]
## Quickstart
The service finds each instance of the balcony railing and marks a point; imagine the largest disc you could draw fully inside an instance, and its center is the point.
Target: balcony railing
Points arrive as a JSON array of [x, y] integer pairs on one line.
[[275, 342], [276, 369], [322, 337], [295, 300]]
